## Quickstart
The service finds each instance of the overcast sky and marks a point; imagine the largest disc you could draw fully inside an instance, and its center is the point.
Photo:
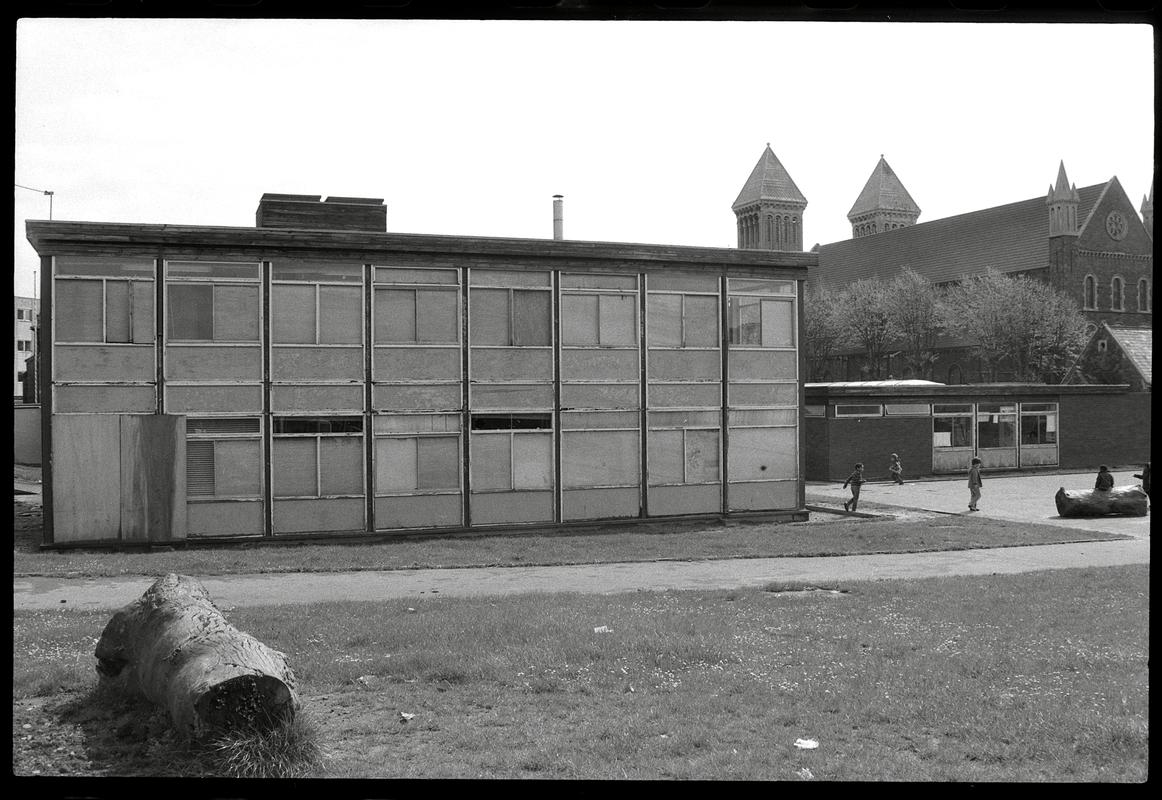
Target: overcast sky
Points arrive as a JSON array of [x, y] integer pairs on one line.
[[648, 129]]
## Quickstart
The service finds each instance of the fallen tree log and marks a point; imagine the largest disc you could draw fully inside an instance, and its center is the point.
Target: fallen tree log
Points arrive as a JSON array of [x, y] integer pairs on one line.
[[174, 648], [1125, 501]]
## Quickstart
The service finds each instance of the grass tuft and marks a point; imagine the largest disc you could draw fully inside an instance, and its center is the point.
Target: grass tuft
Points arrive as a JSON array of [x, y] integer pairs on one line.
[[292, 750]]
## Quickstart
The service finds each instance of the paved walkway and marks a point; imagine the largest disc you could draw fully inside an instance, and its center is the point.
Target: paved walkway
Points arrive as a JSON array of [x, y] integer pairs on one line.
[[1018, 498]]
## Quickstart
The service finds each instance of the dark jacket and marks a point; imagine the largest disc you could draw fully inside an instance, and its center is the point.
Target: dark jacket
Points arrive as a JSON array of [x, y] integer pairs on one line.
[[855, 478], [1105, 480]]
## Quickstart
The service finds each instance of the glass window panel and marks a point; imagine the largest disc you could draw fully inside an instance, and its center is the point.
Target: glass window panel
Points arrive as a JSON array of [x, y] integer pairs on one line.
[[532, 461], [416, 423], [79, 308], [437, 317], [764, 417], [758, 286], [292, 312], [438, 462], [238, 468], [702, 461], [666, 457], [395, 465], [579, 319], [340, 466], [293, 468], [952, 431], [532, 319], [116, 311], [400, 275], [236, 313], [491, 461], [143, 330], [1038, 406], [996, 430], [905, 409], [340, 315], [488, 317], [104, 266], [664, 323], [700, 321], [778, 324], [1039, 429], [952, 408], [191, 312], [618, 320], [212, 269], [583, 281], [395, 315], [674, 282], [600, 458], [746, 321]]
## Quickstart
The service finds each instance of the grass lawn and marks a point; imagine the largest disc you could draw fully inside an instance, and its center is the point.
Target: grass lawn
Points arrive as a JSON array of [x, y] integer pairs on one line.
[[1035, 677], [825, 534]]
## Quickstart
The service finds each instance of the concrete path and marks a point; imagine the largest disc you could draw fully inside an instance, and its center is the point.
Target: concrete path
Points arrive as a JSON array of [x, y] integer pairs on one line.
[[1017, 498]]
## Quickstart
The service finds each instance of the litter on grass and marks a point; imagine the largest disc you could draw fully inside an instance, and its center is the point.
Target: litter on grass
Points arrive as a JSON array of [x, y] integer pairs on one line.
[[806, 744], [603, 629], [405, 716]]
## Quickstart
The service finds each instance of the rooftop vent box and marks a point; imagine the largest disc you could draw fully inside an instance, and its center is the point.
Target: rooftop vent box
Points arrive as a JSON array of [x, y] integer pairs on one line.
[[312, 212]]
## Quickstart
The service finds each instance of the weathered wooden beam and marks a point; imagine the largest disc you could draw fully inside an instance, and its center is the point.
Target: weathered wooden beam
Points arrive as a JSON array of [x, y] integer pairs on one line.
[[1126, 501], [174, 648]]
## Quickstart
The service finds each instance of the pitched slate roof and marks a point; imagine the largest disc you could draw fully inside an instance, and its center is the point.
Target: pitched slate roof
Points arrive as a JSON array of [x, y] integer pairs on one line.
[[1009, 238], [769, 180], [885, 191], [1137, 344]]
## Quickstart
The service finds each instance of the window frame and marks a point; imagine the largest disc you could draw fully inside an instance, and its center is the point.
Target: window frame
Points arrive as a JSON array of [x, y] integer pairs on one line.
[[213, 281], [131, 304], [317, 437]]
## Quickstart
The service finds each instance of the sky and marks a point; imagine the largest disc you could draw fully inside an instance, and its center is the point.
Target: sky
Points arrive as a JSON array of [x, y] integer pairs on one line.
[[648, 129]]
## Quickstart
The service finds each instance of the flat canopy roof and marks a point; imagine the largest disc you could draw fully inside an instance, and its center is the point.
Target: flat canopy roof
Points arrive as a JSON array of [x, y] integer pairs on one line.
[[818, 392]]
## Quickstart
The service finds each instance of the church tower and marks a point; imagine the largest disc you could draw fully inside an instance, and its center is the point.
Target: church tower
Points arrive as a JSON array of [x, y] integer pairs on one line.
[[1148, 211], [1063, 201], [770, 208], [883, 205]]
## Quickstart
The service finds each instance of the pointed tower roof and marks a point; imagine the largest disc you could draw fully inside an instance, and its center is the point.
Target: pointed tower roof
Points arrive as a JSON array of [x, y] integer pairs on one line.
[[1063, 190], [1148, 202], [770, 181], [883, 192]]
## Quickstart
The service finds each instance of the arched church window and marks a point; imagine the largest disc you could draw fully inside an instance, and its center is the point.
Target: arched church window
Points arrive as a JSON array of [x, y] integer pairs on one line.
[[1143, 295], [1090, 300], [1117, 294]]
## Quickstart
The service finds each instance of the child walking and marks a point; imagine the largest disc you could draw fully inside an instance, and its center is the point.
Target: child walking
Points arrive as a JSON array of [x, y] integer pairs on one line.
[[897, 470], [974, 484], [855, 480]]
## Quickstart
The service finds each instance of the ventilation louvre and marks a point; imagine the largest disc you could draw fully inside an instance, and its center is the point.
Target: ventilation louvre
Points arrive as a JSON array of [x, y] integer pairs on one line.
[[221, 425], [199, 468]]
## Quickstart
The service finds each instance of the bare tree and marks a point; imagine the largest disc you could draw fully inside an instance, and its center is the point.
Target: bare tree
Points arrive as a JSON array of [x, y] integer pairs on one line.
[[868, 321], [919, 318], [823, 331]]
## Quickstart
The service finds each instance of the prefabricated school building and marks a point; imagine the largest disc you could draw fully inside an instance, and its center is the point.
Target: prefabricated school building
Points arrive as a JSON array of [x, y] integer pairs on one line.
[[318, 376]]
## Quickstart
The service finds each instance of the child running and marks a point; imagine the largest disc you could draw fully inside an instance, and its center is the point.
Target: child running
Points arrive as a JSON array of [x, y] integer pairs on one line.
[[897, 470], [855, 480]]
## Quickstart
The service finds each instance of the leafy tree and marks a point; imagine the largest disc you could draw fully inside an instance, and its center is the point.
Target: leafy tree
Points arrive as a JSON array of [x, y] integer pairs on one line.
[[1018, 325], [868, 321], [823, 331], [919, 317]]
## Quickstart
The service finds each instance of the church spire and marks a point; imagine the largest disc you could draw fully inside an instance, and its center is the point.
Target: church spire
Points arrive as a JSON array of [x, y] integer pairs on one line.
[[884, 204], [1062, 201], [770, 208], [1148, 211]]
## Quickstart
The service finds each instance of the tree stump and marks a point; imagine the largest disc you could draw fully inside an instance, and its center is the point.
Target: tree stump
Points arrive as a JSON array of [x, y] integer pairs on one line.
[[1125, 501], [173, 647]]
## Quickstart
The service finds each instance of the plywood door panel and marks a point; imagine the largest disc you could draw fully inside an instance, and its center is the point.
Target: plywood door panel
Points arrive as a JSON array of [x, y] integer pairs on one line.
[[153, 480], [86, 493]]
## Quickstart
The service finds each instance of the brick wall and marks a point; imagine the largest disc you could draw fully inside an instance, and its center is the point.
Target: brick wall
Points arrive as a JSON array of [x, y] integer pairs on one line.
[[872, 440], [1104, 429]]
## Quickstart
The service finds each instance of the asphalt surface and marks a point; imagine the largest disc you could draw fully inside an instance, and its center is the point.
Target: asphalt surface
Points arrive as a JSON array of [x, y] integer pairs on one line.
[[1021, 498]]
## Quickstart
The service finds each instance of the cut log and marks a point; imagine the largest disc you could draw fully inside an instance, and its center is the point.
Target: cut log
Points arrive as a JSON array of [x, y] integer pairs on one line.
[[174, 648], [1125, 501]]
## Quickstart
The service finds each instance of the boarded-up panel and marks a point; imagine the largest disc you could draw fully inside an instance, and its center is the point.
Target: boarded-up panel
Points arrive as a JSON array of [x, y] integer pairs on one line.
[[238, 468], [763, 394], [677, 282], [395, 316], [439, 463], [600, 504], [310, 516], [491, 459], [580, 280], [600, 365], [778, 324], [702, 456], [293, 468], [292, 314], [493, 277], [532, 315], [207, 399], [701, 395], [502, 397], [340, 466], [488, 317], [700, 321], [511, 365], [579, 319], [142, 322], [347, 397], [340, 315], [763, 496], [760, 365], [416, 364], [105, 399], [428, 511], [664, 320], [762, 454], [190, 309], [78, 312], [437, 316], [599, 396], [599, 458], [86, 493], [316, 363], [153, 479], [235, 313], [618, 320], [194, 363], [446, 397], [691, 365], [97, 362], [512, 508], [665, 457], [224, 519], [674, 500], [763, 417], [117, 301], [395, 465]]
